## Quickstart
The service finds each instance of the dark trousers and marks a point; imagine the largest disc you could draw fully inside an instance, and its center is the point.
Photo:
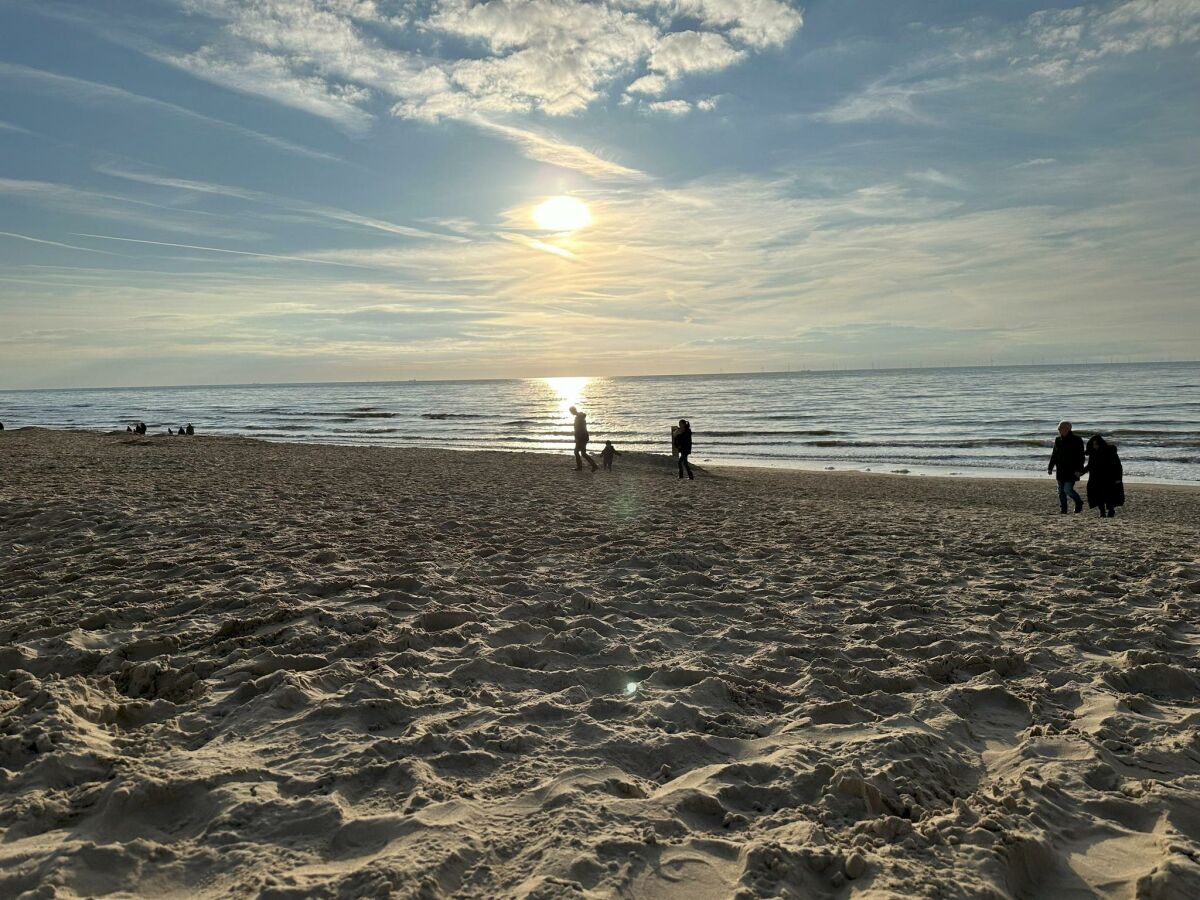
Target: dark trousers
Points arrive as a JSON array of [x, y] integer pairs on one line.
[[683, 464], [581, 454], [1067, 489]]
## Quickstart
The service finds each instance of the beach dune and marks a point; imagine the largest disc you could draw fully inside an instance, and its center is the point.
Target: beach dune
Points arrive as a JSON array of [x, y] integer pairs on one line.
[[237, 668]]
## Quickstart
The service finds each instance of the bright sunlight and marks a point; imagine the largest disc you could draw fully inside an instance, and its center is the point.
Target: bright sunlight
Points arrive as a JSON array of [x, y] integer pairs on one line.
[[569, 391], [562, 214]]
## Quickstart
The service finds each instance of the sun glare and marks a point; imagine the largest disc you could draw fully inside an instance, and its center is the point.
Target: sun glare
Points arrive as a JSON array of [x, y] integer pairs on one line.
[[568, 391], [562, 214]]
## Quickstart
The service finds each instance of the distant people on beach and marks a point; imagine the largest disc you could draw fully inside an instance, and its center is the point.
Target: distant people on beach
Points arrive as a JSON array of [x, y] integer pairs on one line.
[[681, 442], [1068, 459], [139, 428], [182, 430], [190, 429], [607, 454], [1106, 486], [581, 441]]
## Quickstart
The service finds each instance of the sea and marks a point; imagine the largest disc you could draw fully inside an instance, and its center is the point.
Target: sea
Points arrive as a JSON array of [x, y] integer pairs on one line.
[[951, 421]]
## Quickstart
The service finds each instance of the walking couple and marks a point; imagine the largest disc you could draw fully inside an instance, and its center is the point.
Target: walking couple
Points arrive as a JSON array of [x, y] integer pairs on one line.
[[1099, 460]]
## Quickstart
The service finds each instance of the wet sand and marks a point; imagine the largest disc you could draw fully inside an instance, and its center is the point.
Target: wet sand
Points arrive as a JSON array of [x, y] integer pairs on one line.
[[235, 668]]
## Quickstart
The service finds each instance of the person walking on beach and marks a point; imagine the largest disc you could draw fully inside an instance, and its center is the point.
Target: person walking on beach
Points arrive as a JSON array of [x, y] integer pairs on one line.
[[1105, 487], [581, 441], [682, 440], [1067, 457]]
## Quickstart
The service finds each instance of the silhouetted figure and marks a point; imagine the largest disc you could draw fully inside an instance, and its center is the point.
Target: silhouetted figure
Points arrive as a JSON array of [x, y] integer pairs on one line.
[[607, 454], [190, 429], [129, 429], [171, 431], [1068, 459], [581, 441], [682, 442], [1106, 485]]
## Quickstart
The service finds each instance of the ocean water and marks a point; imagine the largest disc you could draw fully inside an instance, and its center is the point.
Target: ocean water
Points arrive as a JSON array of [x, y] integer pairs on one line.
[[963, 420]]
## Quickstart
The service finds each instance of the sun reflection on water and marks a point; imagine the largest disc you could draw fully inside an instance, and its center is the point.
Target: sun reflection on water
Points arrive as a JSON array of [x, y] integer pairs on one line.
[[569, 392]]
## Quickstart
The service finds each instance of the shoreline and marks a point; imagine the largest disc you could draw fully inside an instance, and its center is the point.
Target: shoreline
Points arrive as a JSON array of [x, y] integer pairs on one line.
[[823, 466]]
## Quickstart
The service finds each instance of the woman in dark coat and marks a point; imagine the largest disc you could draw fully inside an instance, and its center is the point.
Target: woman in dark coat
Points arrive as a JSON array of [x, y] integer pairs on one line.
[[1105, 487], [682, 439]]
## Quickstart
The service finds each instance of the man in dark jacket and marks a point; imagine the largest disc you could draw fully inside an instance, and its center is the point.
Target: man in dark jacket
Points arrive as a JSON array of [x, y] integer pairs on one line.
[[581, 441], [1068, 459]]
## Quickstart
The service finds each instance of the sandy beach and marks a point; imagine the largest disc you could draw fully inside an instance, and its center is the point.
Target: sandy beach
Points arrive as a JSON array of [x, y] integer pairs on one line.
[[232, 668]]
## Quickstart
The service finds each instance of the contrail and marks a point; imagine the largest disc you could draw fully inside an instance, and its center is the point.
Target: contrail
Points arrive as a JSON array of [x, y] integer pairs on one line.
[[100, 91], [25, 237], [321, 262]]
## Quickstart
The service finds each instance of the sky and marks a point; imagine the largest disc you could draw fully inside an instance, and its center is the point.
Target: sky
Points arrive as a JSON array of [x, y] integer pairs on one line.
[[237, 191]]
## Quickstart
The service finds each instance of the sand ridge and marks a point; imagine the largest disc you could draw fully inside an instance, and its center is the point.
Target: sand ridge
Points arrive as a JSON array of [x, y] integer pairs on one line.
[[234, 668]]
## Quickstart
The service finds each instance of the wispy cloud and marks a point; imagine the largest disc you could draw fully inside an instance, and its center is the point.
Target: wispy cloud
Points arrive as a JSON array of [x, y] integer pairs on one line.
[[1054, 48], [938, 178], [116, 207], [185, 184], [535, 244], [881, 100], [548, 149], [329, 213], [91, 91], [271, 77]]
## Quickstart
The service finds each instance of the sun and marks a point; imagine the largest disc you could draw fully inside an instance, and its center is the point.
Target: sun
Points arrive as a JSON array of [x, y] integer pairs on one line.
[[562, 214]]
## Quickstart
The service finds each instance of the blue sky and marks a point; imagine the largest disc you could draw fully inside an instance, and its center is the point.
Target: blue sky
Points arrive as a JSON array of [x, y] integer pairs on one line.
[[208, 191]]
